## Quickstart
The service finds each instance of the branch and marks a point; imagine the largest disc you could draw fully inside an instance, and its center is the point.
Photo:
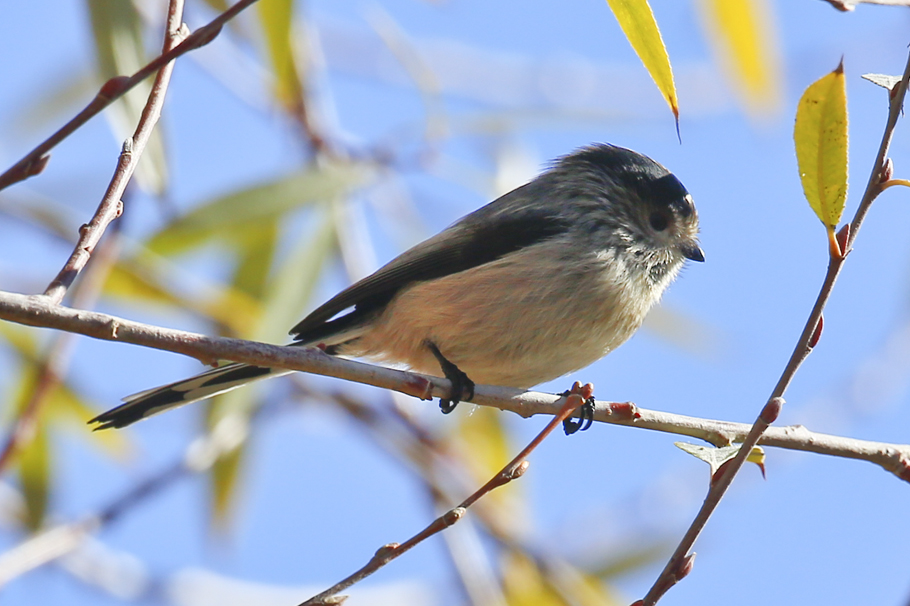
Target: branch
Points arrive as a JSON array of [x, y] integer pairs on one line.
[[513, 470], [681, 561], [35, 161], [111, 205], [34, 310]]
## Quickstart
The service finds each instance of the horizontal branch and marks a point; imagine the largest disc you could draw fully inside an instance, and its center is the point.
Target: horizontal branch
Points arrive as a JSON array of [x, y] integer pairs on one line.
[[36, 310]]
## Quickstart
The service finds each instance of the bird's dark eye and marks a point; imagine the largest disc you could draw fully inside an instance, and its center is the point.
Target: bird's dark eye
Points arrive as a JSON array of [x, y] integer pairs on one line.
[[658, 221]]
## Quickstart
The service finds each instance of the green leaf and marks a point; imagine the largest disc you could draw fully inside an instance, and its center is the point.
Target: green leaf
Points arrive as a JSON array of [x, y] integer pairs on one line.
[[235, 213], [291, 286], [715, 457], [257, 251], [117, 28], [820, 134], [744, 42], [35, 477], [277, 19], [286, 293], [225, 477], [637, 21]]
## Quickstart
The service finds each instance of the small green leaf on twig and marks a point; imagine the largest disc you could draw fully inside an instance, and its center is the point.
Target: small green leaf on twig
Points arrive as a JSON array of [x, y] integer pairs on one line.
[[715, 457], [637, 21], [820, 135]]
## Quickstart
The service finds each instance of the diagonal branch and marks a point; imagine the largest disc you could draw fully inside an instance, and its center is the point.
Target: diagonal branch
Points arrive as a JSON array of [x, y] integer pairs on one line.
[[35, 161], [681, 561], [513, 469], [111, 205]]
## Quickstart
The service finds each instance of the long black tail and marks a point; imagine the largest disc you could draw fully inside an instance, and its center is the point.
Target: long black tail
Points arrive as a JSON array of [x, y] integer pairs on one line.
[[152, 401]]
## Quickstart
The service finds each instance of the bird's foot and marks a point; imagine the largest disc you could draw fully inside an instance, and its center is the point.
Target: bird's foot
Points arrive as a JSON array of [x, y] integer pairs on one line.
[[462, 385], [585, 411]]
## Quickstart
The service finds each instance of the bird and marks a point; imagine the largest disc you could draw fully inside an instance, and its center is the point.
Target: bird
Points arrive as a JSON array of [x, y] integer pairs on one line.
[[539, 283]]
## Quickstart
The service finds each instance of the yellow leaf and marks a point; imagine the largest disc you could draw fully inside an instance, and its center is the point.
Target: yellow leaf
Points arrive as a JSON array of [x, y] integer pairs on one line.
[[744, 41], [524, 584], [820, 134], [637, 22], [277, 18]]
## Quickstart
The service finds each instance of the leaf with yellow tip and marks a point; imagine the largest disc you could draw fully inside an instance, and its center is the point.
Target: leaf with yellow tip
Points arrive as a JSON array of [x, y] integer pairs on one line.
[[638, 24], [820, 135]]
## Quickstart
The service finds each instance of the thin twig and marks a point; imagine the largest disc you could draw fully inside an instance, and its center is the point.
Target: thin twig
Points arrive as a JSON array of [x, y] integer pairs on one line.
[[681, 561], [514, 469], [400, 435], [111, 205], [36, 311], [35, 161]]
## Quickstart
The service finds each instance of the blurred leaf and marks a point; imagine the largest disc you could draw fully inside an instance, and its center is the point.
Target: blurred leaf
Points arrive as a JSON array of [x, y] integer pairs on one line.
[[715, 457], [744, 42], [129, 281], [147, 278], [225, 477], [488, 447], [423, 76], [292, 285], [639, 555], [63, 403], [34, 477], [22, 339], [277, 18], [218, 5], [820, 134], [285, 294], [257, 253], [685, 331], [117, 28], [237, 212], [637, 21], [526, 584], [65, 93], [68, 407]]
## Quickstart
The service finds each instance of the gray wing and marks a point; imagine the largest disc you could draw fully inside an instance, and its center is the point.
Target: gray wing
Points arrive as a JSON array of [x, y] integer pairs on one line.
[[502, 226]]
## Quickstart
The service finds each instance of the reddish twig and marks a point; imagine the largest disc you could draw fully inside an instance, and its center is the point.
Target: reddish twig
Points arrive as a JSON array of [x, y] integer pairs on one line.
[[681, 561], [35, 161], [514, 469], [111, 205]]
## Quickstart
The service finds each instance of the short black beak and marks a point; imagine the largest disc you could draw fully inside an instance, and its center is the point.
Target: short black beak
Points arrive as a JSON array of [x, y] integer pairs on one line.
[[693, 252]]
